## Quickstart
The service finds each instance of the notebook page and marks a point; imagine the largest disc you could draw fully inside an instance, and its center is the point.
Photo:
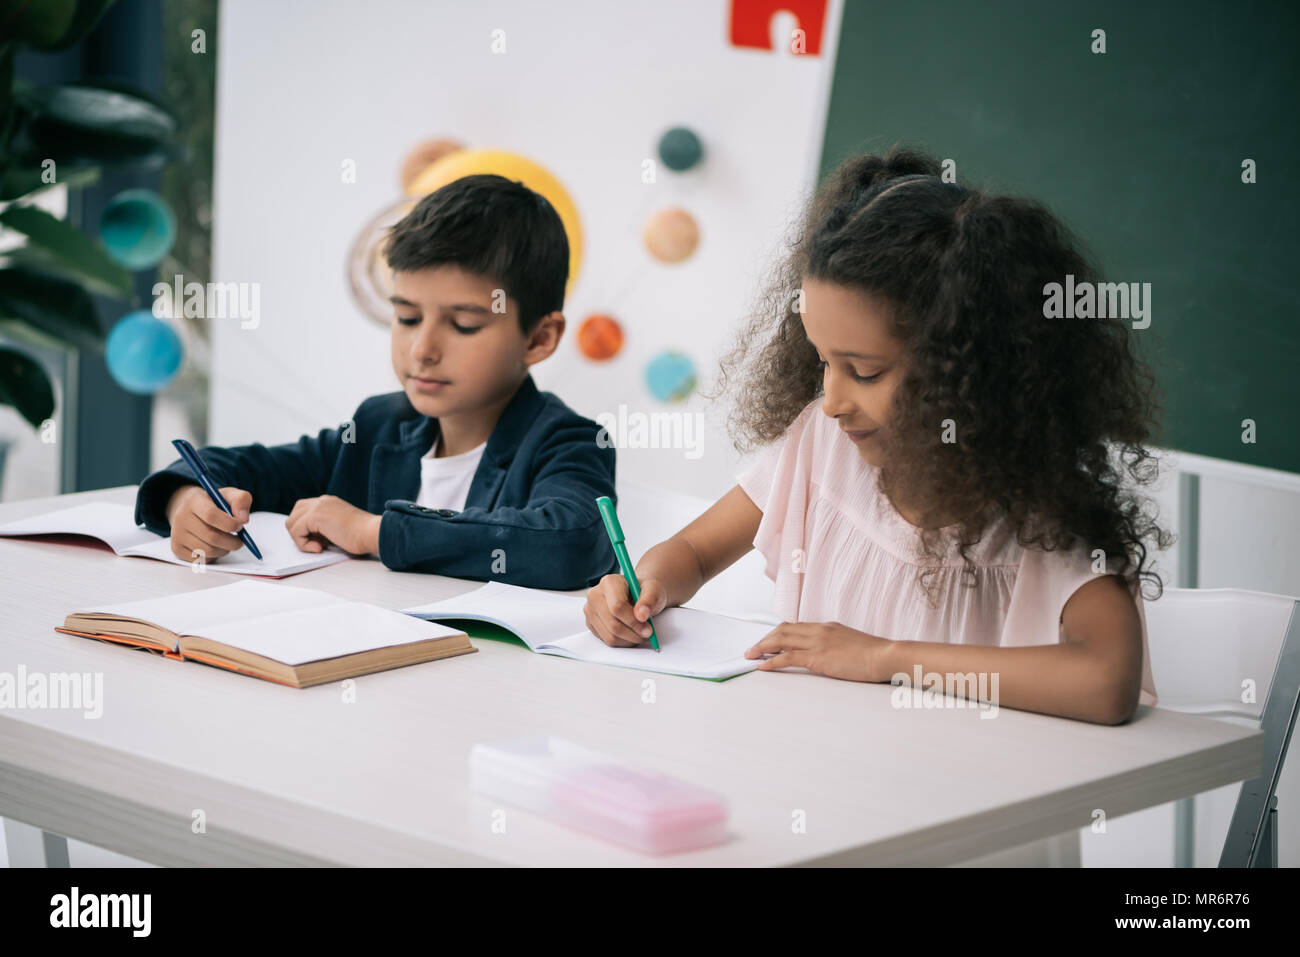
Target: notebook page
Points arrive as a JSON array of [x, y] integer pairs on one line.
[[536, 616], [315, 634], [279, 552], [198, 612], [695, 643], [111, 523]]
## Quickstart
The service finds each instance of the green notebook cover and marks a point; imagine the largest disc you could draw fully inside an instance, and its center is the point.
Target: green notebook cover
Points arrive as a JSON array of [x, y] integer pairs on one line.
[[493, 632]]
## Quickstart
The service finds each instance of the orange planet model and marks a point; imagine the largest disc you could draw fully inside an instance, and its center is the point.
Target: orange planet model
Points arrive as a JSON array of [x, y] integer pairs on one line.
[[600, 337], [422, 155]]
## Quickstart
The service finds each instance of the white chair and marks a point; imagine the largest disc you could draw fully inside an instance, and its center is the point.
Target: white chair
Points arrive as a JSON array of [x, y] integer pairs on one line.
[[1232, 655]]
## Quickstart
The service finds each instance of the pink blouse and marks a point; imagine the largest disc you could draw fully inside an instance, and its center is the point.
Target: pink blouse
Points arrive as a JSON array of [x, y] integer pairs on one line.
[[839, 551]]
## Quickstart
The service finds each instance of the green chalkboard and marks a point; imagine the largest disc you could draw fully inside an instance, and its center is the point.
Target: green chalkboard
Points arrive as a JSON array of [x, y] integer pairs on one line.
[[1139, 151]]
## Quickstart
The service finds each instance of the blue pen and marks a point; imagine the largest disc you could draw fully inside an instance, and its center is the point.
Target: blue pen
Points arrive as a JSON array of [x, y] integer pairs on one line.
[[201, 473]]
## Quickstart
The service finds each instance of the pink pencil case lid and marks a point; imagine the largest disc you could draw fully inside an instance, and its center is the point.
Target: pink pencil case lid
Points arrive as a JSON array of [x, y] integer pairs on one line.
[[593, 792]]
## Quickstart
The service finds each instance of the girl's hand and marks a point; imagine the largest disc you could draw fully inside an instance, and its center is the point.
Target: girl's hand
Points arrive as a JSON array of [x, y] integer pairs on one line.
[[317, 522], [613, 619], [826, 648]]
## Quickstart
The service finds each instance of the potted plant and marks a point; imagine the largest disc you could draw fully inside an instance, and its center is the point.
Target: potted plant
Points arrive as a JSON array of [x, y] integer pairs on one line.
[[50, 136]]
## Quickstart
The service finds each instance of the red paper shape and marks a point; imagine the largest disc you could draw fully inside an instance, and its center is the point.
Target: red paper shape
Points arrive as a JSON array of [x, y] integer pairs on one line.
[[751, 22]]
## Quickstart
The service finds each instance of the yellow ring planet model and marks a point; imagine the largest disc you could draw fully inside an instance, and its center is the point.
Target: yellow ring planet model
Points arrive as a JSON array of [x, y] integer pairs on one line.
[[513, 167]]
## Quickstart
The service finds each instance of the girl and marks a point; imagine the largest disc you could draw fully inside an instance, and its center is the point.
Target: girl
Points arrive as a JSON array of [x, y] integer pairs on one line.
[[941, 492]]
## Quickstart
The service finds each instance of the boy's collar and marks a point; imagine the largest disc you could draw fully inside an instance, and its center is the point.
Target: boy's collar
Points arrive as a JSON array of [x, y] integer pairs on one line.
[[510, 429]]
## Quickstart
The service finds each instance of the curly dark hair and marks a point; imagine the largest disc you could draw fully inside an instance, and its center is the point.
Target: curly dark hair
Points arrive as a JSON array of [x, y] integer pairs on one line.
[[1052, 415]]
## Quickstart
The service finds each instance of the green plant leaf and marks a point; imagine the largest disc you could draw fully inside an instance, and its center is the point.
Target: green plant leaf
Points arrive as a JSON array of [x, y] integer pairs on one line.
[[41, 260], [50, 24], [58, 307], [8, 116], [104, 121], [105, 108], [69, 245], [119, 152], [25, 386], [21, 183], [37, 24]]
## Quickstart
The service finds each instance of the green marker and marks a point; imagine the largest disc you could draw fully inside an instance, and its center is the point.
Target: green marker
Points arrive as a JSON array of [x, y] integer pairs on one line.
[[615, 531]]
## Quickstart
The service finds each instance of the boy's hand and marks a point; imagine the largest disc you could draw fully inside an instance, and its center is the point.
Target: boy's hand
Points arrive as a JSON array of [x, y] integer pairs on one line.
[[824, 648], [317, 522], [614, 620], [200, 529]]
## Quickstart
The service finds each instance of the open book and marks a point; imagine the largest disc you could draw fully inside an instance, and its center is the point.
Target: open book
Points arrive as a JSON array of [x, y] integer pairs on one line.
[[114, 524], [294, 636], [693, 643]]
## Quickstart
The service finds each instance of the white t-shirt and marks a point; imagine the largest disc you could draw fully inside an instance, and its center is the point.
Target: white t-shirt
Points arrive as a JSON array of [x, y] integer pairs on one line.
[[444, 483]]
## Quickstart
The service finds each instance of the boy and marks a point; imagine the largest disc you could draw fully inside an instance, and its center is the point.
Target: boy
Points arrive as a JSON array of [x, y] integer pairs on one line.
[[470, 471]]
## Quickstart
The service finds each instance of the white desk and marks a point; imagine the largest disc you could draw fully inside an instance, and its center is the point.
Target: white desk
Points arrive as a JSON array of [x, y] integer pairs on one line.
[[289, 776]]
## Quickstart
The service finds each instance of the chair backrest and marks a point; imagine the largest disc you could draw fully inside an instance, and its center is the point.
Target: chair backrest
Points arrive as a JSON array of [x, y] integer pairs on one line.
[[649, 515], [1209, 648]]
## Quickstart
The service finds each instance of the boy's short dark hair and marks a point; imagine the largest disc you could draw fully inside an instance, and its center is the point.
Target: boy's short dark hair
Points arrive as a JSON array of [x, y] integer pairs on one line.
[[493, 227]]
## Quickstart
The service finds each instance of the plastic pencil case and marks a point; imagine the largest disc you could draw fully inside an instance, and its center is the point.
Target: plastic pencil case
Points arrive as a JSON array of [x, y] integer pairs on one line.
[[592, 792]]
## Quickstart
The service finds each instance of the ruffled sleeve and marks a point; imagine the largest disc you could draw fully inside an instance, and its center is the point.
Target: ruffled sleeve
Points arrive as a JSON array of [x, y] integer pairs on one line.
[[1045, 582], [779, 484]]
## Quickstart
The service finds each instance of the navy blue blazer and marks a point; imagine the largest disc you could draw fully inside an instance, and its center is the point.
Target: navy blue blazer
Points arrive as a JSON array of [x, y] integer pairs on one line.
[[530, 518]]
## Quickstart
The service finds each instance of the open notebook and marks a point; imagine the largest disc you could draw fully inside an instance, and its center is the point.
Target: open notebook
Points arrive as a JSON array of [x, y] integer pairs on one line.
[[293, 636], [693, 643], [114, 524]]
